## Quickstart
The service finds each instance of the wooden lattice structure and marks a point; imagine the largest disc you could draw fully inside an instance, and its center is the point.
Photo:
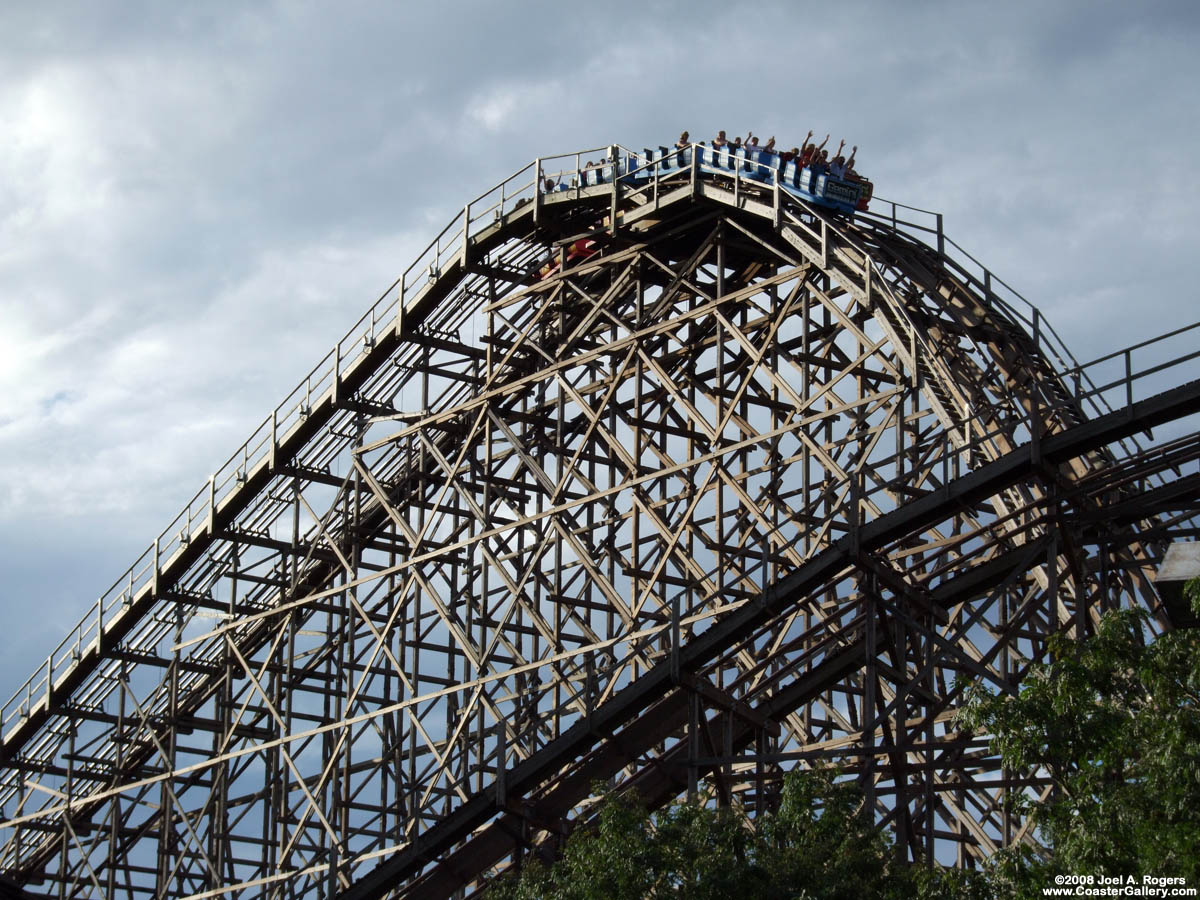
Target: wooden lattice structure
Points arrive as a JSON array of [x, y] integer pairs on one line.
[[667, 481]]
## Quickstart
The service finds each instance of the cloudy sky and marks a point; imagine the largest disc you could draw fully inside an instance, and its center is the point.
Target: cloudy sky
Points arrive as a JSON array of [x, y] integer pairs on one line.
[[198, 198]]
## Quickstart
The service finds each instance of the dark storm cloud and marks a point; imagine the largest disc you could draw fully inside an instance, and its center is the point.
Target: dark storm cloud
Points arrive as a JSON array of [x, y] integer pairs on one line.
[[196, 199]]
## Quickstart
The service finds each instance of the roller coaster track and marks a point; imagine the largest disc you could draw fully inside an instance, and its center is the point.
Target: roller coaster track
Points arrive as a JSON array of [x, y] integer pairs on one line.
[[745, 487]]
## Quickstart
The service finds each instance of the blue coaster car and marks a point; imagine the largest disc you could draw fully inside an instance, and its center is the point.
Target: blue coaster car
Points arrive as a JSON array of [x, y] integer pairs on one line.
[[759, 166]]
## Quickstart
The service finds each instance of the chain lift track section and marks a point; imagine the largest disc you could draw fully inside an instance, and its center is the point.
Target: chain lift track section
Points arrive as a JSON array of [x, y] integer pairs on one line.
[[665, 478]]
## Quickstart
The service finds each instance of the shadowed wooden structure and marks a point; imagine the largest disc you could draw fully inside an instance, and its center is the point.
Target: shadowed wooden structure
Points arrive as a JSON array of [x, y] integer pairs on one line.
[[665, 479]]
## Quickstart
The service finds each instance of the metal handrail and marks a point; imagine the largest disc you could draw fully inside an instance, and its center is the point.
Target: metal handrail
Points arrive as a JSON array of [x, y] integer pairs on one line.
[[1038, 326], [1088, 395]]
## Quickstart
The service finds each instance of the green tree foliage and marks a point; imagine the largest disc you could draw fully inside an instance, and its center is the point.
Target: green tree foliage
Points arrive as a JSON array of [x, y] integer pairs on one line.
[[820, 844], [1114, 722]]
